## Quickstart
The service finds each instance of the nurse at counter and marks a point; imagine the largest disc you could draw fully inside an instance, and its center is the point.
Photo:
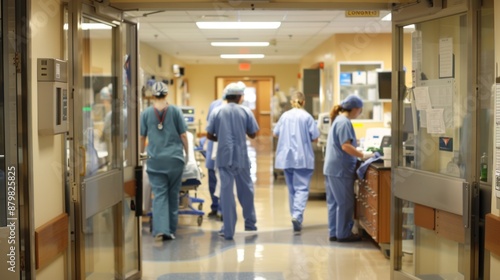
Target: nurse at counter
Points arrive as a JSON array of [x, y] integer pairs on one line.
[[339, 169]]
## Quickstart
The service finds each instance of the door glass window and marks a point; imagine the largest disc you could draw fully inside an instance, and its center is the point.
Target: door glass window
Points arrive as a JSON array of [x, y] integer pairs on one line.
[[100, 133], [99, 97], [436, 122], [436, 129]]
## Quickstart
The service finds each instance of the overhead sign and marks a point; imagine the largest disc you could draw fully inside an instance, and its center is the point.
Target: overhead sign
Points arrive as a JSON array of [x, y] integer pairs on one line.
[[244, 66], [362, 13]]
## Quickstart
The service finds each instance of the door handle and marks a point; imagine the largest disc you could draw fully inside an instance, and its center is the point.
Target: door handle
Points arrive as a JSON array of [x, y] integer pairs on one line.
[[466, 191], [84, 155]]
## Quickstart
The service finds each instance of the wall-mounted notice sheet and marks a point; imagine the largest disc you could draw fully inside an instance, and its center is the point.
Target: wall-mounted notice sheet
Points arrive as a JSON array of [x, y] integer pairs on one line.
[[435, 94], [445, 57], [422, 99], [435, 121]]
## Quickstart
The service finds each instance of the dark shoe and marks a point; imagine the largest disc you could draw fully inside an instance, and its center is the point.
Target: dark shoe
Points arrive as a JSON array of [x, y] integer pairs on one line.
[[221, 234], [333, 238], [352, 238], [254, 228], [297, 227], [212, 214], [161, 237]]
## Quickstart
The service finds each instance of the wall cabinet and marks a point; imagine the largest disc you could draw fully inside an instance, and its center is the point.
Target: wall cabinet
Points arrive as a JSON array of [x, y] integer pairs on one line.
[[373, 205], [361, 79]]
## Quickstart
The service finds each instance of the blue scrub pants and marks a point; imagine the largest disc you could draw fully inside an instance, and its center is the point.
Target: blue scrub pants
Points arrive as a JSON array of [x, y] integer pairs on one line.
[[212, 181], [245, 192], [166, 189], [340, 202], [298, 181]]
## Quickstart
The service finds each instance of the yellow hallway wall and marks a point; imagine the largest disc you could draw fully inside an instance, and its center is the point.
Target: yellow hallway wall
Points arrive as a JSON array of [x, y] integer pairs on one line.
[[46, 150], [202, 79]]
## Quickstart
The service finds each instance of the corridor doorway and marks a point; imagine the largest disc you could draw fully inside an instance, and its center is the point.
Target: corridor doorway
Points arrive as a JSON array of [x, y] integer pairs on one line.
[[258, 93]]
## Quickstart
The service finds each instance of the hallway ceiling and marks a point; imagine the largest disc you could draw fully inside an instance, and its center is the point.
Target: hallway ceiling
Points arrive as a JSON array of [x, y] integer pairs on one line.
[[301, 31]]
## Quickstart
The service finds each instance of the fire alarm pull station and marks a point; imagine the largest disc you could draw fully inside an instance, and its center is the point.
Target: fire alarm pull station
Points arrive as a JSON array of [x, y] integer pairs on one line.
[[52, 96]]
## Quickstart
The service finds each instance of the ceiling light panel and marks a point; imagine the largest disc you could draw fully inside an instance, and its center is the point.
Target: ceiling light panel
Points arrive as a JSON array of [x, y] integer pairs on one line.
[[240, 44], [238, 56], [238, 25]]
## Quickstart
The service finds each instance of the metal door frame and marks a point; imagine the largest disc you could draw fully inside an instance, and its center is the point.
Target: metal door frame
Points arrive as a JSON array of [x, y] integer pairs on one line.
[[17, 256], [81, 207], [463, 202]]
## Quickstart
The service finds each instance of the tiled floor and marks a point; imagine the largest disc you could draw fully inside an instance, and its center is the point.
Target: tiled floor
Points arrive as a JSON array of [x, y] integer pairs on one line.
[[273, 252]]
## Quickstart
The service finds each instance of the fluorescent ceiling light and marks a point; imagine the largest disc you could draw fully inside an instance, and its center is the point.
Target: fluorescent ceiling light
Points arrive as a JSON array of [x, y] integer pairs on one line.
[[237, 56], [92, 26], [388, 17], [237, 25], [240, 44]]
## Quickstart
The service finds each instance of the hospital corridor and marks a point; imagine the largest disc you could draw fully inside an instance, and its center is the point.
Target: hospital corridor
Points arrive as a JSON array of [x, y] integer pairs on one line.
[[272, 252]]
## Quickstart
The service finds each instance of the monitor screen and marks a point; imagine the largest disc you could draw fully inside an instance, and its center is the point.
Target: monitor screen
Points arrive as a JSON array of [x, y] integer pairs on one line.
[[408, 120], [345, 79], [384, 85]]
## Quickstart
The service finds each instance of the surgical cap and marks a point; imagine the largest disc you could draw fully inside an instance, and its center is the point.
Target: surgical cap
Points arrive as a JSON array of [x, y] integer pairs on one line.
[[351, 101], [235, 89], [105, 93], [159, 89]]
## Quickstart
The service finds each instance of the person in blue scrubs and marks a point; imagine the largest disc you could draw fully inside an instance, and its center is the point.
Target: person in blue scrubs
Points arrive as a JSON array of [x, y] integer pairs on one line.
[[229, 125], [210, 165], [296, 130], [339, 169], [164, 127]]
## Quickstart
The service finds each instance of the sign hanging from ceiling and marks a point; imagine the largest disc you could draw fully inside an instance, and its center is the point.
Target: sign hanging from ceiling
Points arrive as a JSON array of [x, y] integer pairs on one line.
[[361, 13], [244, 66]]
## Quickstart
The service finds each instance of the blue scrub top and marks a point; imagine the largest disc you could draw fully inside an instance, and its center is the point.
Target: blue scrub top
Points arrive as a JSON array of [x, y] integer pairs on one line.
[[164, 146], [230, 123], [337, 162], [209, 162], [296, 130]]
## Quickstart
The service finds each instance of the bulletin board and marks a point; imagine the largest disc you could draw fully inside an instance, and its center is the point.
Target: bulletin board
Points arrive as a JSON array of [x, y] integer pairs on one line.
[[434, 103]]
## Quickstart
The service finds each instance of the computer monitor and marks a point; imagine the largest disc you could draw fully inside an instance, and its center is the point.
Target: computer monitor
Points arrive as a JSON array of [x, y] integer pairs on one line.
[[408, 120], [384, 85]]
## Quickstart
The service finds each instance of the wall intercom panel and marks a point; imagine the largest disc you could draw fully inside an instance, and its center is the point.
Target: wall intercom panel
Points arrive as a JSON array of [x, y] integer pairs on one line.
[[52, 96]]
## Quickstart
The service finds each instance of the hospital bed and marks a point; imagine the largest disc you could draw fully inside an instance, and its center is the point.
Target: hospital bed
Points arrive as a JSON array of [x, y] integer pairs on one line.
[[191, 180]]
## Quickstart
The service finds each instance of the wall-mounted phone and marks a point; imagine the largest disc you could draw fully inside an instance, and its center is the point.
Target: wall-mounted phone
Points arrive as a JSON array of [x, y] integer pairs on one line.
[[52, 96]]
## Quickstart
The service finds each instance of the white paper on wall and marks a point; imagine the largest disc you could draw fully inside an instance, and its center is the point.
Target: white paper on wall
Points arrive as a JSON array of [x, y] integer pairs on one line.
[[441, 93], [435, 121], [446, 57]]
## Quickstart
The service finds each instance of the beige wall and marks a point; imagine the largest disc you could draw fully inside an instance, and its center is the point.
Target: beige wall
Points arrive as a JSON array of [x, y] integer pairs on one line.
[[47, 151], [202, 78], [149, 64]]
